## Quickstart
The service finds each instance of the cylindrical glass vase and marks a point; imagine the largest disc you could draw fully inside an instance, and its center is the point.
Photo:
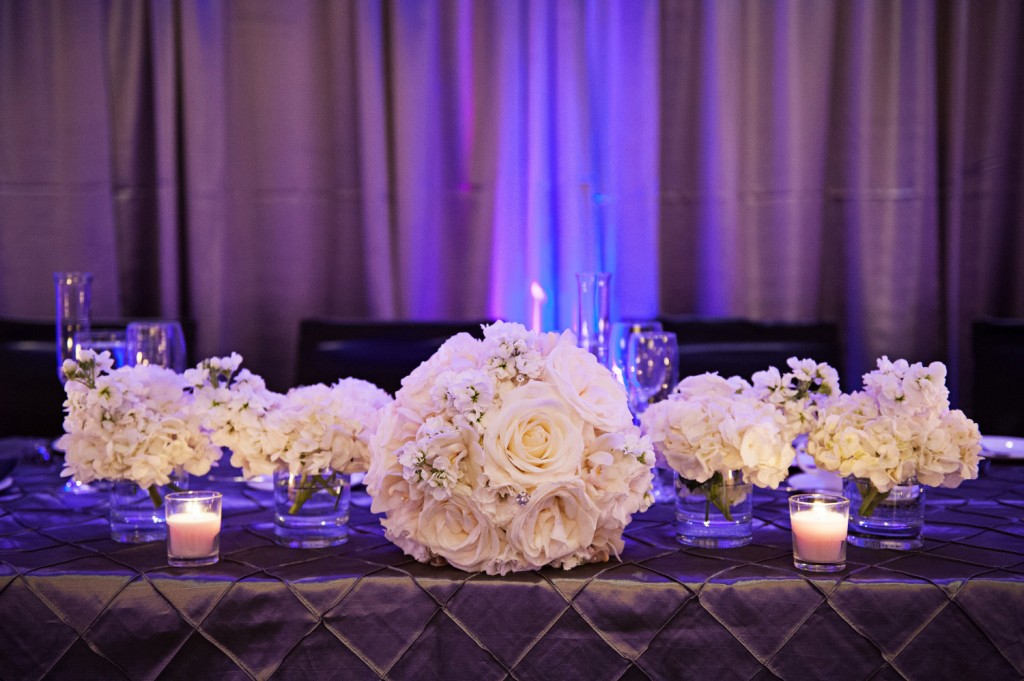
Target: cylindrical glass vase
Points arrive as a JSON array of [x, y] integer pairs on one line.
[[593, 321], [311, 511], [136, 515], [892, 520], [715, 514], [74, 312]]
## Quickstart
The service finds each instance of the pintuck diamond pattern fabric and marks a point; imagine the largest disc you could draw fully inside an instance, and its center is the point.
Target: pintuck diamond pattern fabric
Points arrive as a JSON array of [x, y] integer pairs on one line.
[[74, 604]]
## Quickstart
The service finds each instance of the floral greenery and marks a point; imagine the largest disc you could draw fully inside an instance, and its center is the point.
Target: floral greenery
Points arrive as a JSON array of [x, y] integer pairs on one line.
[[899, 428], [509, 453], [132, 423]]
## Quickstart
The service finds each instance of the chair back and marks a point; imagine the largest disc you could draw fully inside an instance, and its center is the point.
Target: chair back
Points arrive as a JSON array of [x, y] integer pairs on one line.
[[381, 352], [31, 395], [741, 347], [998, 353]]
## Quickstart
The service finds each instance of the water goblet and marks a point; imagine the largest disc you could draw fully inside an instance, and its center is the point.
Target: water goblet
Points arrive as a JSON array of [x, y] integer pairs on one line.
[[651, 367], [105, 340], [160, 343], [621, 332]]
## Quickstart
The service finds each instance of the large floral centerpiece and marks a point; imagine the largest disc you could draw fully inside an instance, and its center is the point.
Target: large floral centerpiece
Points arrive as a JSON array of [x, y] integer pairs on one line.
[[898, 429], [509, 453], [137, 424]]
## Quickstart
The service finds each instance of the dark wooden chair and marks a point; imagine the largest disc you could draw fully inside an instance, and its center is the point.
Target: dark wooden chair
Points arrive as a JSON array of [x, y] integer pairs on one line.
[[998, 352], [31, 394], [740, 347], [381, 352]]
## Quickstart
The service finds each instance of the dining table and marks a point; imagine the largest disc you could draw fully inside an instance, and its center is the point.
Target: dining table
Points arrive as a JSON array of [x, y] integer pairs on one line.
[[74, 604]]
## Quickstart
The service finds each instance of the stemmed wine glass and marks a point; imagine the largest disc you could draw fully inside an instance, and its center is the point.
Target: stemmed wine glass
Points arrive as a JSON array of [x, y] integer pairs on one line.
[[621, 331], [160, 343], [651, 373], [651, 367]]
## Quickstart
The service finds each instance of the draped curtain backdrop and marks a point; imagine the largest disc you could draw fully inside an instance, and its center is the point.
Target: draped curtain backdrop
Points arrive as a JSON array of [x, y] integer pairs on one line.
[[250, 163]]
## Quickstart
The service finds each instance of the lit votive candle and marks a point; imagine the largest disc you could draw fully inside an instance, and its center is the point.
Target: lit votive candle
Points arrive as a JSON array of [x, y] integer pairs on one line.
[[819, 523], [193, 528]]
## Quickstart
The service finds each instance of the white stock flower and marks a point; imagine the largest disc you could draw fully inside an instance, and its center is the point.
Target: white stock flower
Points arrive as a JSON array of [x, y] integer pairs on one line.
[[898, 427], [131, 423]]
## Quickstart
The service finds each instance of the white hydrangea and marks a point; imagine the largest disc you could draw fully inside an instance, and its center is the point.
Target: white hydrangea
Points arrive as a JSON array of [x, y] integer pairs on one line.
[[710, 424], [132, 423]]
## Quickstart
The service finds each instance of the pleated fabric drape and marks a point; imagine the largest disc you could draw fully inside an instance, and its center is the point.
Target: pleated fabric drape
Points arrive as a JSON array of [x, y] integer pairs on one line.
[[248, 164]]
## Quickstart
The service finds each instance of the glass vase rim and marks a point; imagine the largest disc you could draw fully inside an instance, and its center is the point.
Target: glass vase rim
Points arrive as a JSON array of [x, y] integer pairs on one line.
[[72, 275], [193, 495], [820, 499]]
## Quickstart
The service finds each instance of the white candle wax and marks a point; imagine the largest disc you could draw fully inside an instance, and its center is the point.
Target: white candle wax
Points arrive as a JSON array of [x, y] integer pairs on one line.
[[193, 534], [818, 535]]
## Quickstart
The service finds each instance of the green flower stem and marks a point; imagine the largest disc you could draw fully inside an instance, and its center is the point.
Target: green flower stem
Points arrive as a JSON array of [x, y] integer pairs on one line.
[[154, 495], [302, 496], [307, 487], [870, 498], [714, 493]]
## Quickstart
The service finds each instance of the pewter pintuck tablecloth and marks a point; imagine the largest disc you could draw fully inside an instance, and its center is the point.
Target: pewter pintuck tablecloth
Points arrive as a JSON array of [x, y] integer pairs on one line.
[[76, 605]]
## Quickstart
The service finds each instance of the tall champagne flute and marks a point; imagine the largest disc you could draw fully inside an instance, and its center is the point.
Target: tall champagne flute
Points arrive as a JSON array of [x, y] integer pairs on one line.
[[160, 343]]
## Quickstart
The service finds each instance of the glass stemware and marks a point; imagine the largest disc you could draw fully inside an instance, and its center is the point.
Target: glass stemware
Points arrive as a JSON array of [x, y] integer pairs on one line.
[[651, 367], [651, 373], [621, 332], [161, 343], [105, 340]]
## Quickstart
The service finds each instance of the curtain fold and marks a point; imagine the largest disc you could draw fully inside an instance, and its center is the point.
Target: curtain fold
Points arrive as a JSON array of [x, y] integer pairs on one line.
[[248, 164]]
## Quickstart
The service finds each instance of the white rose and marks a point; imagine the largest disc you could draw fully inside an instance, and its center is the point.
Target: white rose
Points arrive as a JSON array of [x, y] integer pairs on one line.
[[456, 530], [535, 437], [587, 386], [558, 521]]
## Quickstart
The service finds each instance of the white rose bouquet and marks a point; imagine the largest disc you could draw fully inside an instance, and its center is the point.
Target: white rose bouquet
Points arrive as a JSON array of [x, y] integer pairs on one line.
[[711, 426], [132, 423], [306, 432], [898, 428], [507, 454]]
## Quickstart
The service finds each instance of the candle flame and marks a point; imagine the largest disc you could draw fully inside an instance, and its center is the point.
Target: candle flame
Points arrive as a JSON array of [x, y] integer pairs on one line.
[[537, 291]]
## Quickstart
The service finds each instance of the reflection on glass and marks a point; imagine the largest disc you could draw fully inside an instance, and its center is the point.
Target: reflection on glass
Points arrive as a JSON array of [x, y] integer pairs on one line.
[[160, 343], [74, 301]]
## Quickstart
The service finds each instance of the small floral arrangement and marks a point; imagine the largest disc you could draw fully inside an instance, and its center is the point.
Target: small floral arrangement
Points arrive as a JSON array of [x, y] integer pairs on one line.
[[710, 426], [509, 453], [131, 423], [898, 428], [800, 394], [305, 432]]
